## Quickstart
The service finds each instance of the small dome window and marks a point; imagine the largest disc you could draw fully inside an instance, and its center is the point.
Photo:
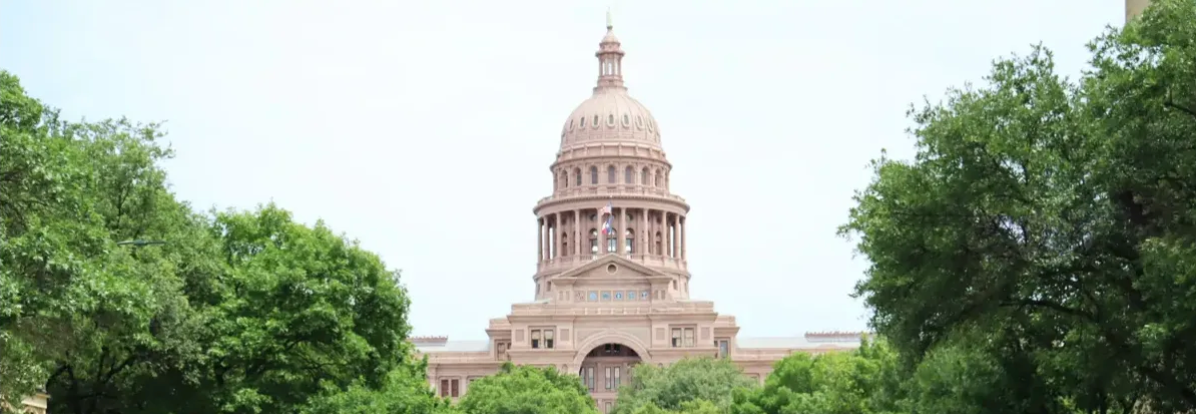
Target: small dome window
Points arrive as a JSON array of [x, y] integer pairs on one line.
[[639, 122], [570, 124], [651, 126], [583, 122], [610, 120], [626, 121], [595, 124]]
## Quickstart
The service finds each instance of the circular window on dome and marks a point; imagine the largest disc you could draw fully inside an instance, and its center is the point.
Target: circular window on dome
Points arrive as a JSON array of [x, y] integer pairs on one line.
[[570, 124], [583, 122], [639, 122], [610, 120], [626, 120], [651, 126], [595, 124]]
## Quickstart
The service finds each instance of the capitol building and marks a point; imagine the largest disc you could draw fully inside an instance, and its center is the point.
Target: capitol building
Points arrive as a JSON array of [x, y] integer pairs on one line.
[[612, 278]]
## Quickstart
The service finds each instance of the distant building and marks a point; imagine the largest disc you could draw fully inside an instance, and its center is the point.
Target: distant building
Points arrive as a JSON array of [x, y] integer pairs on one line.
[[1134, 8], [612, 282]]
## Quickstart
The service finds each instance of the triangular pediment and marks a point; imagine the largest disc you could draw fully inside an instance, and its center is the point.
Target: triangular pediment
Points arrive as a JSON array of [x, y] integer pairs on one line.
[[623, 268]]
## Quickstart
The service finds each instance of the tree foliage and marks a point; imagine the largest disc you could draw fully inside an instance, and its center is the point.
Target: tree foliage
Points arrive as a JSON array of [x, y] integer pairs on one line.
[[118, 298], [1059, 218], [527, 390], [671, 387], [864, 381]]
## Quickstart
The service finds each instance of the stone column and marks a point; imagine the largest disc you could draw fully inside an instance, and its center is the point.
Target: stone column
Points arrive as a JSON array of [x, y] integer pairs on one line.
[[683, 255], [577, 232], [540, 240], [673, 237], [644, 234], [621, 234], [556, 235]]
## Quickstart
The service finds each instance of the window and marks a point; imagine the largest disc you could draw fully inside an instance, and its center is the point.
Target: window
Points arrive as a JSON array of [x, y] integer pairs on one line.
[[501, 350], [589, 378], [611, 244], [610, 119], [612, 175], [659, 178], [577, 176], [542, 338], [631, 295], [583, 122], [593, 241], [448, 388], [644, 295], [618, 379], [683, 337], [629, 175], [593, 296], [724, 347], [644, 175], [610, 377], [605, 296], [595, 123], [618, 295], [630, 237], [593, 174], [607, 406]]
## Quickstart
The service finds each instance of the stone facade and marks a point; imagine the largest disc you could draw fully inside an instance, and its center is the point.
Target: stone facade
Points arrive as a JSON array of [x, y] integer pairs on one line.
[[612, 281], [35, 404]]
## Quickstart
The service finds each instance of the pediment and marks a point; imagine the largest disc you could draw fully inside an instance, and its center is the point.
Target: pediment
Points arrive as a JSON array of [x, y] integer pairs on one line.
[[622, 269]]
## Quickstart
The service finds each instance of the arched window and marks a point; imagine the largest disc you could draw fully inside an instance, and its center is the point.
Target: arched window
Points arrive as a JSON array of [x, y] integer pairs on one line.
[[659, 178], [594, 175], [564, 179], [629, 175], [612, 243], [658, 246], [577, 176], [611, 175], [593, 241], [630, 236], [564, 244], [645, 176]]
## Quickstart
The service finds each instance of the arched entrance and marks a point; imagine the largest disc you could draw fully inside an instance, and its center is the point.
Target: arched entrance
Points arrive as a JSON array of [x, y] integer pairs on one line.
[[604, 369]]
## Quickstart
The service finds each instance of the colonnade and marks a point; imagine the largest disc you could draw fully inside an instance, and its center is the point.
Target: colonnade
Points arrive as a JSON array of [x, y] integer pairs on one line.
[[649, 232]]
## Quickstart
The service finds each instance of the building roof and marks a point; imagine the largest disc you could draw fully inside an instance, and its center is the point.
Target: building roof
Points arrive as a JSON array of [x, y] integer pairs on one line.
[[428, 345]]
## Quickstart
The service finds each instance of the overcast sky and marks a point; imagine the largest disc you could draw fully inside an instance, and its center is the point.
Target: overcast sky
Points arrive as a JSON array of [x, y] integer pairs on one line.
[[425, 129]]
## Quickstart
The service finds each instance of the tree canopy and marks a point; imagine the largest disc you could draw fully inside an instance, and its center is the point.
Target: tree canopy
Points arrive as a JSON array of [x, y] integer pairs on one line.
[[674, 386], [527, 390], [1059, 219]]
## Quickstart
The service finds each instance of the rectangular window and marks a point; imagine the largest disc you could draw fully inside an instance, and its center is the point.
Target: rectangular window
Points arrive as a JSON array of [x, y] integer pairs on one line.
[[609, 378], [618, 380], [676, 337], [689, 337], [444, 388], [644, 295], [724, 347], [631, 295], [454, 384], [605, 295], [590, 378], [548, 338], [501, 350], [607, 406], [535, 339]]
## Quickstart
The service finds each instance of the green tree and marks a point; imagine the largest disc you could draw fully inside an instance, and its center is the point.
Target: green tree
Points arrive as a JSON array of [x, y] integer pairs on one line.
[[1057, 217], [863, 381], [527, 390], [689, 380], [405, 391]]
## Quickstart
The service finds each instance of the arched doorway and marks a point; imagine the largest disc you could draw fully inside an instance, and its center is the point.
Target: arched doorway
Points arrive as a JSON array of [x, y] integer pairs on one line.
[[604, 369]]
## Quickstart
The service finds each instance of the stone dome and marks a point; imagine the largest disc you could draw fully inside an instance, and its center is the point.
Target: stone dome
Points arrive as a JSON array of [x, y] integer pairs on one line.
[[610, 115]]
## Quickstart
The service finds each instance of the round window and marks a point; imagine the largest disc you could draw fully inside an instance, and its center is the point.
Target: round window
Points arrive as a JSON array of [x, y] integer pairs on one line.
[[610, 120], [611, 268], [639, 122], [595, 124], [570, 124], [651, 126], [583, 122], [626, 120]]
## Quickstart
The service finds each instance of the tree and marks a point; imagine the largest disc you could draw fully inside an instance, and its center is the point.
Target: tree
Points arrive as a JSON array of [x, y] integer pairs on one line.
[[1058, 217], [405, 391], [689, 380], [527, 390], [863, 381]]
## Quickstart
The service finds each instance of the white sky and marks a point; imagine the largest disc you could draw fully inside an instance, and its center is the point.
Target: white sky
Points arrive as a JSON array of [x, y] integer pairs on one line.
[[425, 128]]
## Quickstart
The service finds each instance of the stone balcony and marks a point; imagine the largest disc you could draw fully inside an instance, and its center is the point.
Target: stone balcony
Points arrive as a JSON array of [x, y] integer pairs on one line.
[[629, 308], [603, 191]]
